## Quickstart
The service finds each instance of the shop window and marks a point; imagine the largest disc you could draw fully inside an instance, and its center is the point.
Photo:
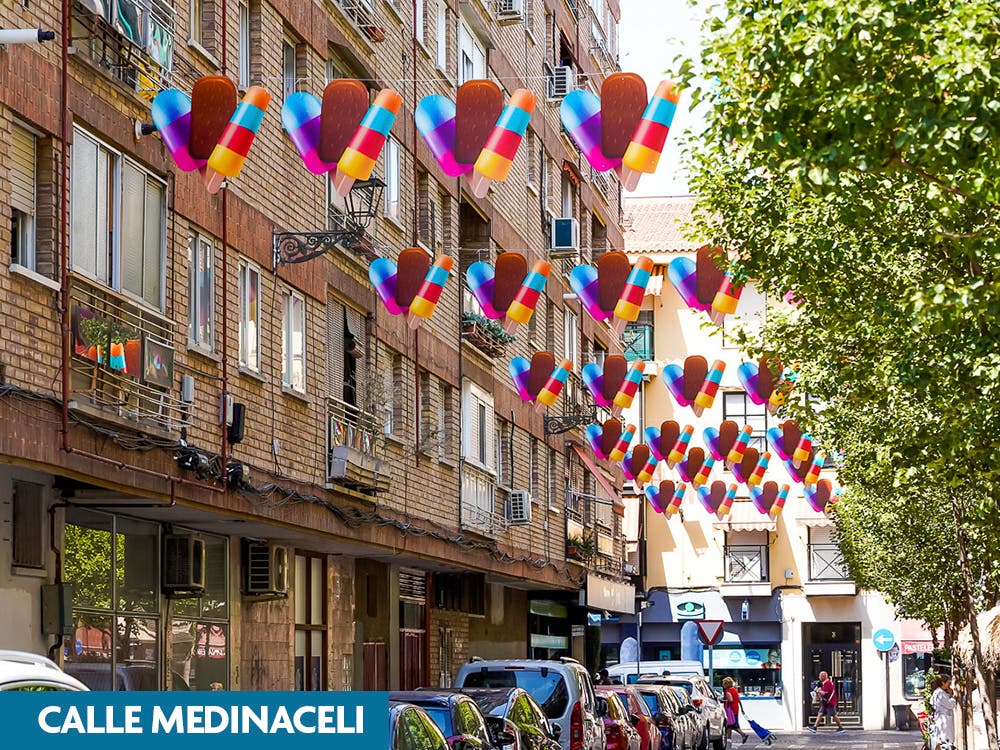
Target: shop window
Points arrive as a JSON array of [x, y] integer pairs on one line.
[[740, 409], [199, 628], [249, 329], [310, 622], [915, 666], [201, 292]]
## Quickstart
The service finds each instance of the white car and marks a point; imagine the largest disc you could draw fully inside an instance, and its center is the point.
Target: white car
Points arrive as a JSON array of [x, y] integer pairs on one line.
[[20, 670]]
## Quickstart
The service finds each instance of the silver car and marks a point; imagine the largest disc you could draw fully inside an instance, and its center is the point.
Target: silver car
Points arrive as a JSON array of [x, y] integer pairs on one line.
[[705, 700]]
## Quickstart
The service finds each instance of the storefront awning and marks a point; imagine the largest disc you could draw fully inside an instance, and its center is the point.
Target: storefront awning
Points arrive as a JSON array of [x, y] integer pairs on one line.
[[744, 516], [809, 517], [601, 479]]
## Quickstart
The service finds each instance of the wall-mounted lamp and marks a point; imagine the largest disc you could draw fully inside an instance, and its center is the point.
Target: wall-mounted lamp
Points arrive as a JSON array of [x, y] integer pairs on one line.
[[25, 36]]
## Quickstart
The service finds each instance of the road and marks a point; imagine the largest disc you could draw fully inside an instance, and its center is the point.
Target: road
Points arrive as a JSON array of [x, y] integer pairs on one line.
[[850, 740]]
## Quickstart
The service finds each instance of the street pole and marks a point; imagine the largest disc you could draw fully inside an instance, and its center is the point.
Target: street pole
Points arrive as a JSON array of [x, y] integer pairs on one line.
[[638, 642], [886, 724], [711, 666]]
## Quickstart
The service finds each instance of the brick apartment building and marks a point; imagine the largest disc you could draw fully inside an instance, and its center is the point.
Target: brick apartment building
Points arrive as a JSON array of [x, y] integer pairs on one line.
[[168, 396]]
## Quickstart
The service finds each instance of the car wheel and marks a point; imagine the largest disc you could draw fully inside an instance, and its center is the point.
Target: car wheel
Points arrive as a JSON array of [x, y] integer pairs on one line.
[[719, 744], [703, 743]]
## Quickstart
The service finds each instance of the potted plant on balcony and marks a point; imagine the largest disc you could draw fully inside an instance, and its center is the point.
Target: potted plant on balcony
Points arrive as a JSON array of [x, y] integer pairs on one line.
[[581, 547], [485, 334]]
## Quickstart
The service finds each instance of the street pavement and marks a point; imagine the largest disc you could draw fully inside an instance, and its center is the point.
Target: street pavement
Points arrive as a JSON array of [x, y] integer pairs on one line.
[[850, 740]]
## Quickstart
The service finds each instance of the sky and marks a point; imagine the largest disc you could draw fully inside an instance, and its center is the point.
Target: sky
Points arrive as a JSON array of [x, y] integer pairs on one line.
[[651, 34]]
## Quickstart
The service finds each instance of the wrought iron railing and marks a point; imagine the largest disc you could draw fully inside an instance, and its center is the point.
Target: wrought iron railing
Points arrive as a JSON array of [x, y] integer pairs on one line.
[[746, 564], [122, 359], [826, 563], [354, 440]]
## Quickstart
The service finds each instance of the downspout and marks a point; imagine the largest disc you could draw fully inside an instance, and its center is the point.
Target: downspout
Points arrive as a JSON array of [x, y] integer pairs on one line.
[[224, 272], [415, 237]]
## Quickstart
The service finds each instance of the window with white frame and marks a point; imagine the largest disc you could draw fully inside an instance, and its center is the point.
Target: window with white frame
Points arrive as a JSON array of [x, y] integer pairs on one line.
[[571, 335], [201, 291], [737, 407], [505, 471], [23, 163], [293, 341], [441, 56], [418, 22], [288, 76], [391, 156], [117, 219], [249, 291], [471, 54], [197, 21], [243, 46], [478, 427], [568, 198]]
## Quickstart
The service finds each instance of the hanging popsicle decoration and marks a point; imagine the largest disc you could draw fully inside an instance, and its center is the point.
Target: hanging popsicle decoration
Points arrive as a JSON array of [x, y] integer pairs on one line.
[[508, 290], [613, 384], [717, 498], [680, 446], [603, 438], [693, 383], [358, 160], [661, 439], [795, 449], [704, 286], [539, 380], [613, 291], [411, 285], [820, 496], [768, 499], [666, 497], [766, 382], [690, 466], [191, 126], [636, 464], [322, 131], [721, 440], [621, 445]]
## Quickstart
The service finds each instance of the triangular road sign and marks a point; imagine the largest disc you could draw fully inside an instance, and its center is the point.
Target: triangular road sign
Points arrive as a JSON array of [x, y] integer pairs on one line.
[[710, 631]]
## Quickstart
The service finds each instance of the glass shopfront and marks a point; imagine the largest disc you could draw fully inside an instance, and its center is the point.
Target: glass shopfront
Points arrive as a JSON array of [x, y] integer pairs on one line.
[[756, 670]]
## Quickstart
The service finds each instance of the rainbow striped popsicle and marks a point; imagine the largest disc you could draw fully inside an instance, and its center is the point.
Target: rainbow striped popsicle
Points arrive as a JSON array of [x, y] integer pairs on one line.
[[643, 153], [435, 119], [628, 388], [648, 468], [779, 503], [580, 113], [300, 116], [363, 151], [757, 475], [802, 450], [498, 154], [727, 501], [739, 450], [231, 152], [709, 388], [523, 306], [553, 386], [812, 476], [676, 454], [429, 293], [583, 280], [630, 302], [172, 117], [701, 478], [726, 299], [676, 499], [621, 447]]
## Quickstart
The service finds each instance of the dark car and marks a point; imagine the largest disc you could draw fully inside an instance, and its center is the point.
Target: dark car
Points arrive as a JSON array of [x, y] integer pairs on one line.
[[639, 713], [410, 728], [459, 718], [662, 699], [522, 714], [619, 734]]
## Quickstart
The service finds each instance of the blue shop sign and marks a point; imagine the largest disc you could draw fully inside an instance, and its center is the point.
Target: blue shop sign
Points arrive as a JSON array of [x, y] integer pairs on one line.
[[742, 658]]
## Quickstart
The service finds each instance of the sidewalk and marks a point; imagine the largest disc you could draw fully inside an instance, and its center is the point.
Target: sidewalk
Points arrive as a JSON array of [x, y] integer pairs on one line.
[[849, 740]]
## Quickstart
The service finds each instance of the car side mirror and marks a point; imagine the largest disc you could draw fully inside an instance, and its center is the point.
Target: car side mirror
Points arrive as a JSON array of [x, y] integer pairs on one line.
[[555, 730], [634, 719]]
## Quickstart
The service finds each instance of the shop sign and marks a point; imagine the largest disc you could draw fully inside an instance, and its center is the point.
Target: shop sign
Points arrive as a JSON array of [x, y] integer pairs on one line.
[[743, 658], [610, 595], [918, 647]]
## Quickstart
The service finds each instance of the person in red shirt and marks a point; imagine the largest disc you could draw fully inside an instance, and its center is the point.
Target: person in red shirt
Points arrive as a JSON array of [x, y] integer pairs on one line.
[[827, 703], [732, 696]]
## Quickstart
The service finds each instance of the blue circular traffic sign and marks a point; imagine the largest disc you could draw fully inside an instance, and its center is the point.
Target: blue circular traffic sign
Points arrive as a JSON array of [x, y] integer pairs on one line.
[[883, 639]]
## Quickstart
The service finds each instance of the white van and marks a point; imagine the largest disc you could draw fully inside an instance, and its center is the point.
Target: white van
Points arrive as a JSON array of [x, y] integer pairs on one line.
[[629, 672]]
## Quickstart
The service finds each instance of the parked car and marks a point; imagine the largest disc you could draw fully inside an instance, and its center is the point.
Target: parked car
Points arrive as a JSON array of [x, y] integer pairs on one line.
[[706, 700], [20, 670], [562, 688], [524, 716], [696, 731], [410, 728], [630, 672], [459, 718], [619, 734], [662, 699], [641, 716]]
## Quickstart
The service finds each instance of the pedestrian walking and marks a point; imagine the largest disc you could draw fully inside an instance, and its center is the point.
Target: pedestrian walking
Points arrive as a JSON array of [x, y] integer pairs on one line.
[[827, 703], [732, 698], [603, 678], [943, 704]]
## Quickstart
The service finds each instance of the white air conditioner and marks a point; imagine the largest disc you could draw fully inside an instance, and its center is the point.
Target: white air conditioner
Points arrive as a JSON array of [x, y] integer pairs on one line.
[[565, 235], [519, 508], [509, 11], [183, 565], [265, 569], [563, 81]]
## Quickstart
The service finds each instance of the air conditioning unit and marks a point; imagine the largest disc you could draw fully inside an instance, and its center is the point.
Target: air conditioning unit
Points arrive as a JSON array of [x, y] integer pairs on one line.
[[183, 565], [265, 569], [565, 236], [519, 508], [509, 11], [563, 81]]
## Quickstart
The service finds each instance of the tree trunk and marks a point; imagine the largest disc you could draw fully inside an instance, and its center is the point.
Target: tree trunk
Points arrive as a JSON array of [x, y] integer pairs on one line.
[[989, 712]]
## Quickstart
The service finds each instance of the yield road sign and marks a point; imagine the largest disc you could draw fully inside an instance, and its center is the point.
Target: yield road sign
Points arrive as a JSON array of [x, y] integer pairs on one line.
[[710, 631], [883, 639]]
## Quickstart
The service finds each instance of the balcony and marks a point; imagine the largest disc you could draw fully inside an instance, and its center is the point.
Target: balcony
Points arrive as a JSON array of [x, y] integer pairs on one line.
[[592, 518], [122, 363], [828, 574], [354, 443], [746, 571], [479, 490], [486, 335], [133, 42], [637, 341]]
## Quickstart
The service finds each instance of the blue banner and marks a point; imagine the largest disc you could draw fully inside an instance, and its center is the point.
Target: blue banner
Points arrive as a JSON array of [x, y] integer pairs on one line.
[[195, 721]]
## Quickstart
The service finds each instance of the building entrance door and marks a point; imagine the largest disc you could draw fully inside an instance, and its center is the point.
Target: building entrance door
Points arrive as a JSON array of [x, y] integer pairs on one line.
[[834, 648]]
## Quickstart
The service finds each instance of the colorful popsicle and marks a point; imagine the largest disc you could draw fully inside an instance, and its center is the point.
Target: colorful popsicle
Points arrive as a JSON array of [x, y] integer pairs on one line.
[[523, 306], [740, 448], [629, 387], [621, 447], [648, 468], [672, 376], [429, 293], [172, 117], [498, 154], [231, 151], [580, 113], [779, 504], [301, 118], [435, 119], [520, 370], [680, 447], [709, 388], [653, 496], [630, 302], [643, 153], [812, 476], [675, 501], [595, 437], [802, 450], [701, 478], [726, 299], [727, 501], [363, 151], [553, 386], [757, 475]]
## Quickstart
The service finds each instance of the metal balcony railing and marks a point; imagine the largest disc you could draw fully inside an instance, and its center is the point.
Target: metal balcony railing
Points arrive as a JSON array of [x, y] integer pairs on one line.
[[122, 362], [746, 564], [479, 490], [826, 563], [354, 441]]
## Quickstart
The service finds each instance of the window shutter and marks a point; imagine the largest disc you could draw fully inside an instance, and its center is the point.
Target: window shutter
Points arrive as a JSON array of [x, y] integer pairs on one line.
[[23, 155], [491, 441], [334, 349], [470, 422], [152, 242], [132, 234], [357, 328]]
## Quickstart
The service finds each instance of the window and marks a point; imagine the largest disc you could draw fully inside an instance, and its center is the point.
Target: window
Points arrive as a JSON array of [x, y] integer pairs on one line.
[[201, 291], [746, 556], [478, 426], [427, 233], [249, 291], [568, 198], [447, 419], [504, 458], [198, 22], [740, 409], [28, 526], [243, 46], [392, 179], [550, 477], [531, 155], [570, 338], [288, 76], [392, 422], [310, 622], [23, 158], [426, 412], [471, 55], [293, 341], [418, 22], [117, 218], [442, 35], [346, 349], [533, 487]]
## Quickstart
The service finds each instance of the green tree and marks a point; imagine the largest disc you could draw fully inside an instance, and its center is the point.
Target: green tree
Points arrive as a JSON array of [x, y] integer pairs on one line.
[[852, 159]]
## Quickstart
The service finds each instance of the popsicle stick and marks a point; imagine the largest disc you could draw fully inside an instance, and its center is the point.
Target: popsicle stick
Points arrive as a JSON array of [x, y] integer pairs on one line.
[[539, 407], [630, 178], [698, 410], [413, 321], [618, 325], [479, 184], [342, 184], [716, 317], [213, 180], [510, 326]]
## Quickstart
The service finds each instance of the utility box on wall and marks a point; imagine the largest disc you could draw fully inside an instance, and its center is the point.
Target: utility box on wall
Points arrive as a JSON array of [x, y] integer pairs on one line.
[[57, 609]]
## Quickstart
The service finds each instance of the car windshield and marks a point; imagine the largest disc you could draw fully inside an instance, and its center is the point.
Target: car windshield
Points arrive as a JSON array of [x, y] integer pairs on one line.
[[441, 716], [548, 690], [651, 703]]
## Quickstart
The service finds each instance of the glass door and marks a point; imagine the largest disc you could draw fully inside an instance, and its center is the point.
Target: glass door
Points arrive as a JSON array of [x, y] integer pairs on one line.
[[834, 648]]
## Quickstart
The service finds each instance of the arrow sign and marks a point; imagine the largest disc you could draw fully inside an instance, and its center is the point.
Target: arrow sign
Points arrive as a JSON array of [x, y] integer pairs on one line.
[[710, 631], [883, 639]]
